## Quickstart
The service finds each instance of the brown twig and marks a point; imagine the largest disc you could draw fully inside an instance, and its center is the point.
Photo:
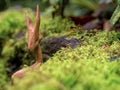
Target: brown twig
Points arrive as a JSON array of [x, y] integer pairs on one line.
[[33, 44]]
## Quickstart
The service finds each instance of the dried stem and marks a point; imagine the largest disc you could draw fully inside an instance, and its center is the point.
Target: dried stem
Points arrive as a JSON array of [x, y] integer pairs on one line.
[[33, 44]]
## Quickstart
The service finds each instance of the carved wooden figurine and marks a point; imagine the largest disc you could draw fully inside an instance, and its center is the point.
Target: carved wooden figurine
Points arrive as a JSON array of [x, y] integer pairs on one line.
[[33, 44]]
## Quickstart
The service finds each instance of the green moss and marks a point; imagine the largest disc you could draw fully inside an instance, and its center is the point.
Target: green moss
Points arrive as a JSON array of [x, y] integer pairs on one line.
[[56, 26], [87, 68], [8, 50], [3, 75], [105, 37], [11, 22]]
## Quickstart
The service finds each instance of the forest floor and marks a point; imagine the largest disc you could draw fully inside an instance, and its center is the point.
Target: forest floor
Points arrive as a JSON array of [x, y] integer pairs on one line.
[[77, 56]]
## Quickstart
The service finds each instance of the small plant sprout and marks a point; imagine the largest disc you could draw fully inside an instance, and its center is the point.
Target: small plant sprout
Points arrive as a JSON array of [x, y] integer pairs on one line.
[[34, 39]]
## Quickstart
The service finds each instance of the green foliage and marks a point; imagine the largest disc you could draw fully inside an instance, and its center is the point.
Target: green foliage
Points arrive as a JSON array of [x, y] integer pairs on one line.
[[73, 7], [55, 26], [12, 28], [83, 68], [12, 35], [90, 4], [105, 37], [8, 50], [13, 41], [3, 75], [86, 67], [114, 49], [11, 22], [118, 2], [116, 15]]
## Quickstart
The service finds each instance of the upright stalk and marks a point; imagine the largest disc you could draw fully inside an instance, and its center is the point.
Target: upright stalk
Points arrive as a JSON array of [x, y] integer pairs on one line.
[[33, 44]]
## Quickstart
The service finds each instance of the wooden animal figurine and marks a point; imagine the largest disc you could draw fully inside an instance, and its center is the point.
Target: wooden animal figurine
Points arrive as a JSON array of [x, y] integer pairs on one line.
[[34, 39]]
